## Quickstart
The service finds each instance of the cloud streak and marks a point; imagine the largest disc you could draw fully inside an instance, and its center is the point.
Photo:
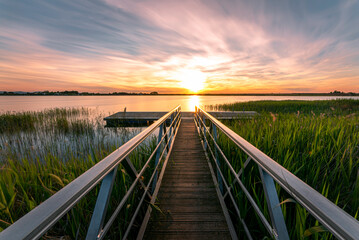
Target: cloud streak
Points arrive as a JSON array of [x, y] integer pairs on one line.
[[241, 46]]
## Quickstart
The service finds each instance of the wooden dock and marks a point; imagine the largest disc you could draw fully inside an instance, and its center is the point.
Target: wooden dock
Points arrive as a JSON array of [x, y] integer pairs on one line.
[[187, 198], [147, 118]]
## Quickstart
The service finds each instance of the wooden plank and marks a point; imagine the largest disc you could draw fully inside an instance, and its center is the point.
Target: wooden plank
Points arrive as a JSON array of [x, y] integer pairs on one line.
[[176, 235], [190, 225], [187, 198], [181, 216]]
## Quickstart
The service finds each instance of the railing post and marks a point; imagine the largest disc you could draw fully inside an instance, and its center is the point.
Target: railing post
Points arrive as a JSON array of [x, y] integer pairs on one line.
[[196, 114], [171, 130], [204, 132], [157, 156], [219, 177], [274, 208], [166, 136], [132, 172], [198, 122], [99, 213]]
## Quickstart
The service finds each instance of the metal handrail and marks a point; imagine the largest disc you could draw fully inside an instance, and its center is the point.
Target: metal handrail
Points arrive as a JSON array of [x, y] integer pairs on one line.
[[336, 220], [38, 221]]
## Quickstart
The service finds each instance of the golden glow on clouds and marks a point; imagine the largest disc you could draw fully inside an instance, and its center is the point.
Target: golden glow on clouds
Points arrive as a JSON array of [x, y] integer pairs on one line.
[[178, 47], [192, 72]]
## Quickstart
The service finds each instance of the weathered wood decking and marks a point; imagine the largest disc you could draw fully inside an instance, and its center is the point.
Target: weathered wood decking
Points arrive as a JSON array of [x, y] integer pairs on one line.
[[187, 197]]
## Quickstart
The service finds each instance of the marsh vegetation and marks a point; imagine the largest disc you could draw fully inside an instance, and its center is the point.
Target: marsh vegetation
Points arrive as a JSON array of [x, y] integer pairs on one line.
[[318, 141], [41, 152]]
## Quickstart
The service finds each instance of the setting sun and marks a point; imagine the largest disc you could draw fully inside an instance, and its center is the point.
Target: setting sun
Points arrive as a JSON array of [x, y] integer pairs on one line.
[[192, 79]]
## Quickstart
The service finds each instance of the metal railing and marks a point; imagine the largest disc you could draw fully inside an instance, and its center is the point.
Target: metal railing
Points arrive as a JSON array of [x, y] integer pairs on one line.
[[333, 218], [38, 221]]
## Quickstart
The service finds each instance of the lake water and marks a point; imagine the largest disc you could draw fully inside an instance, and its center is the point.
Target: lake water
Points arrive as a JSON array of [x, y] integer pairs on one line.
[[111, 104]]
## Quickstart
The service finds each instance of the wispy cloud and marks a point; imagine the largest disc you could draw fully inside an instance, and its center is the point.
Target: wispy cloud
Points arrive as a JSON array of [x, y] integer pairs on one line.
[[240, 46]]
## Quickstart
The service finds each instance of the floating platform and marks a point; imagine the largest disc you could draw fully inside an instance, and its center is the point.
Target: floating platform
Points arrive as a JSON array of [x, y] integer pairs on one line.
[[137, 119]]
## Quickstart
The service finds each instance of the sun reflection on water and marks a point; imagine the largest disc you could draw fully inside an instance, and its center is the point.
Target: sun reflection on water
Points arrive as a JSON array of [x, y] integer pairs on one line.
[[193, 101]]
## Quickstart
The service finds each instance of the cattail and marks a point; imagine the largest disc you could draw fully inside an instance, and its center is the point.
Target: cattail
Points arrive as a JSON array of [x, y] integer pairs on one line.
[[273, 116]]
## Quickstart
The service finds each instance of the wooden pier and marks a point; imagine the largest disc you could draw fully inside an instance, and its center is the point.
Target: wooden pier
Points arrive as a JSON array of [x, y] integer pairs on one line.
[[190, 208], [147, 118]]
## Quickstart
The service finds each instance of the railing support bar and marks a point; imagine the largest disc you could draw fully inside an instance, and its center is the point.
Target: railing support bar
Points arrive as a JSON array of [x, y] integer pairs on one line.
[[171, 130], [98, 216], [274, 208], [132, 172], [219, 177], [196, 117], [157, 156], [204, 133], [166, 136], [238, 175]]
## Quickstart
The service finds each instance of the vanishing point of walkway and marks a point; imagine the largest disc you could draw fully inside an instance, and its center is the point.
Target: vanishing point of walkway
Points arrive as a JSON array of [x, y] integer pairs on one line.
[[187, 197]]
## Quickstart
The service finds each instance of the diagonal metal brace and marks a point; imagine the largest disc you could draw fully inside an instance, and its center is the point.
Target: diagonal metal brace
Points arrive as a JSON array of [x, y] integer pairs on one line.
[[98, 216], [132, 172], [166, 136], [274, 208], [238, 175], [219, 177], [157, 159]]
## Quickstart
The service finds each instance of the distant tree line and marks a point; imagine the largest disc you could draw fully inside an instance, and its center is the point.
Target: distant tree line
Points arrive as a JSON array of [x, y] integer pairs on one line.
[[70, 93], [339, 93], [76, 93]]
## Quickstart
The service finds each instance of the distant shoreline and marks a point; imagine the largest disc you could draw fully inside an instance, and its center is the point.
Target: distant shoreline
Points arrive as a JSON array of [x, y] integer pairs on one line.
[[76, 93]]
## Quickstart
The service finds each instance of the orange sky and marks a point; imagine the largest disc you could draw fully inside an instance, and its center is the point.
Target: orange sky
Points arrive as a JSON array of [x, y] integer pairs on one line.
[[172, 47]]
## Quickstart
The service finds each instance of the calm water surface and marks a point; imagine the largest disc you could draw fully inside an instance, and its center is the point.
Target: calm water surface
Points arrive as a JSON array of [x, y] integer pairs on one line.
[[111, 104]]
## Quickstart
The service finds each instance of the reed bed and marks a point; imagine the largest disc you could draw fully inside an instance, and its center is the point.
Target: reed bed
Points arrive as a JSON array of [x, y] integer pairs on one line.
[[317, 141], [11, 122], [336, 107], [41, 152]]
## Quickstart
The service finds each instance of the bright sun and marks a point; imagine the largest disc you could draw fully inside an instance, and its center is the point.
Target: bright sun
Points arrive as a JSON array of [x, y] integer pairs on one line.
[[192, 79]]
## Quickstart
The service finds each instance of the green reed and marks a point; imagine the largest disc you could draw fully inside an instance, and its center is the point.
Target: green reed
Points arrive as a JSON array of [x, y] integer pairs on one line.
[[27, 121], [37, 162], [340, 106], [317, 143]]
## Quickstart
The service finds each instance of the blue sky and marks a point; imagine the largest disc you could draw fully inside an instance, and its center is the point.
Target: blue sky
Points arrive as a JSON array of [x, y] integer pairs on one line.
[[167, 46]]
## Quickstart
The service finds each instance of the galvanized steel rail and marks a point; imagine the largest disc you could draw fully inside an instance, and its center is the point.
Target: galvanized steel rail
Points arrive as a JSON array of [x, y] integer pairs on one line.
[[338, 222], [37, 222]]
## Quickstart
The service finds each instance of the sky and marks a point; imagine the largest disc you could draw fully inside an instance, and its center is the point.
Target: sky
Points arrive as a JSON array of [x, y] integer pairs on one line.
[[182, 46]]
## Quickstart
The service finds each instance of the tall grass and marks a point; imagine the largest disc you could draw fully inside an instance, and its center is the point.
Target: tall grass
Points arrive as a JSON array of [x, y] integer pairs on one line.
[[319, 145], [60, 145], [340, 106], [28, 121]]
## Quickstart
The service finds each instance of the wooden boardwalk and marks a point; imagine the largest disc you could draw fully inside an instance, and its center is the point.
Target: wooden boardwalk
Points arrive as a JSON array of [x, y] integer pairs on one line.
[[187, 197]]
